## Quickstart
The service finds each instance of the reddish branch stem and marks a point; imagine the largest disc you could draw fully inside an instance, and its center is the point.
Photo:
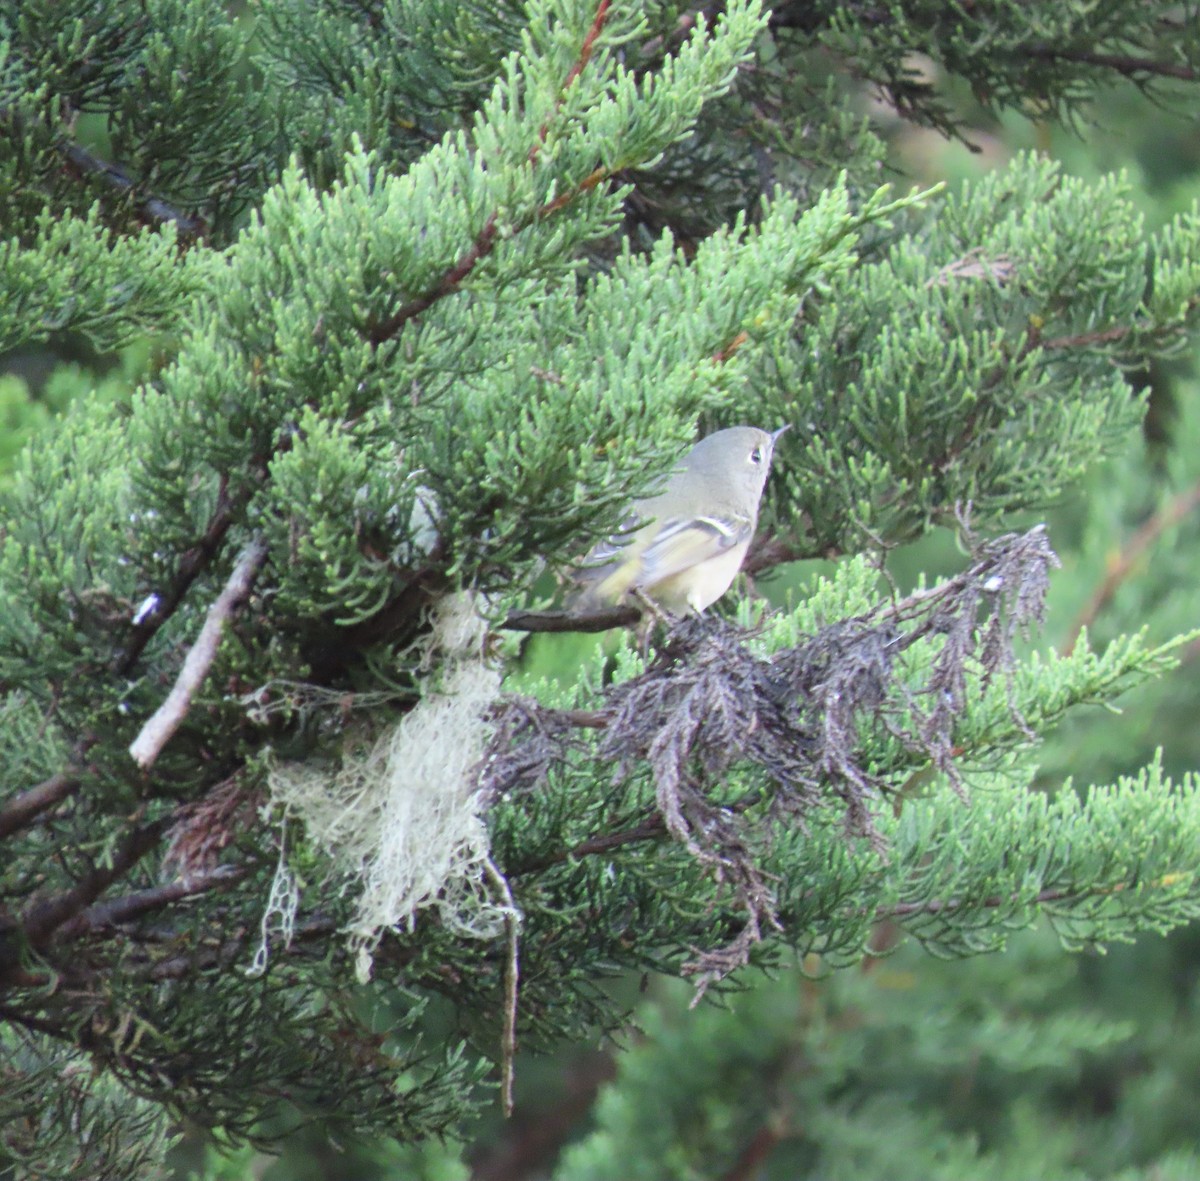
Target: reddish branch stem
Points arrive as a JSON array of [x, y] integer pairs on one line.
[[1110, 335], [589, 45], [586, 49], [1087, 339], [485, 241], [651, 829], [723, 355], [572, 621], [483, 245], [1131, 555]]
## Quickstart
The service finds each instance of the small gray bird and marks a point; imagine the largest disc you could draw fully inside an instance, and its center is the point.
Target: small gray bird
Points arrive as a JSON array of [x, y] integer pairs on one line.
[[697, 529]]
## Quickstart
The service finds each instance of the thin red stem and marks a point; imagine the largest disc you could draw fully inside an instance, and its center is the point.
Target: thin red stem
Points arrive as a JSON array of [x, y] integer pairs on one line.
[[485, 241]]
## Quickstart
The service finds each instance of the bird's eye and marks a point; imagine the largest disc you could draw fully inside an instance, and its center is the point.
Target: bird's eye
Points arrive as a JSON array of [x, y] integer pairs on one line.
[[756, 456]]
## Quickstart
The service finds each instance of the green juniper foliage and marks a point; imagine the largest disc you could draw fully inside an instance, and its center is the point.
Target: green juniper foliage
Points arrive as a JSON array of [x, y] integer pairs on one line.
[[910, 1070], [436, 290]]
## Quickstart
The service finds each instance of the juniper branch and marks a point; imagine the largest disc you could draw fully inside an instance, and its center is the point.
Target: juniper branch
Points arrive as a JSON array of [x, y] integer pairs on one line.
[[1113, 334], [707, 702], [205, 958], [653, 828], [486, 240], [151, 209], [1124, 64], [42, 919], [129, 907], [943, 905], [23, 809], [1132, 553], [192, 564], [572, 621]]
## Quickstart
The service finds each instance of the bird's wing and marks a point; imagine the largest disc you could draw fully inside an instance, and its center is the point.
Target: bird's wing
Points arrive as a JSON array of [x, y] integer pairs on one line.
[[682, 543], [604, 575], [611, 548]]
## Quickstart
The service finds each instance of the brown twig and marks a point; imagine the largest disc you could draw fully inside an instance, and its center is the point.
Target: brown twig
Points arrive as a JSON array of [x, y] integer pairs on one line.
[[21, 810], [723, 354], [586, 49], [1087, 339], [1110, 335], [1130, 557], [155, 734], [204, 957], [586, 719], [132, 906], [651, 829], [565, 198], [484, 244], [571, 621], [750, 1161], [1125, 64]]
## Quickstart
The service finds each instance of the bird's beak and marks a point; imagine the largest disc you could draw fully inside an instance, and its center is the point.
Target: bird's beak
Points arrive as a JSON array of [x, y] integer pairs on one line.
[[775, 435]]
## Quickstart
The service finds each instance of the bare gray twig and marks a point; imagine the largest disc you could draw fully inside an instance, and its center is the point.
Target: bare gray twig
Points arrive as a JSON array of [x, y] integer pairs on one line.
[[155, 734]]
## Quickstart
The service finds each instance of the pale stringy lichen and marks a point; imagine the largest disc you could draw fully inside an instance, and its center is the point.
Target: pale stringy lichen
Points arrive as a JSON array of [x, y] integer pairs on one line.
[[402, 815]]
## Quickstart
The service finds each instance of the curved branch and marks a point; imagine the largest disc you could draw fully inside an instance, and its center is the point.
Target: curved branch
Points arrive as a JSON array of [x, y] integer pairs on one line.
[[901, 910], [653, 828]]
